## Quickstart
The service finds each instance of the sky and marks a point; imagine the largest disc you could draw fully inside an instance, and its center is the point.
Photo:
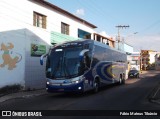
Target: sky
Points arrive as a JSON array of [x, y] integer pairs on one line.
[[141, 15]]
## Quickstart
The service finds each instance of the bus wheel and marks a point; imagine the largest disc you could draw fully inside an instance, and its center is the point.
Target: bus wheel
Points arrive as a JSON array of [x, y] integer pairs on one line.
[[96, 87], [120, 80], [123, 80]]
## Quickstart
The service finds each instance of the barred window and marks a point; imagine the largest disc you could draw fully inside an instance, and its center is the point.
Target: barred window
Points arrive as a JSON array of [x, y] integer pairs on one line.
[[64, 28], [39, 20]]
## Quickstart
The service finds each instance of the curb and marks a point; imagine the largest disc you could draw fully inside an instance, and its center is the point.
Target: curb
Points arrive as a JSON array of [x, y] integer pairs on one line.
[[155, 101], [22, 94], [153, 97]]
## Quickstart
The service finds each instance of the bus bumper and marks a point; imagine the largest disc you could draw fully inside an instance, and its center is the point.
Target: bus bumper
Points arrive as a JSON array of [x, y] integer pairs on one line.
[[79, 87]]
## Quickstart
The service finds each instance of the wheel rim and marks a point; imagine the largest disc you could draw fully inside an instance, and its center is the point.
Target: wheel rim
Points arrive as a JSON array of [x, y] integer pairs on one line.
[[95, 87], [120, 80]]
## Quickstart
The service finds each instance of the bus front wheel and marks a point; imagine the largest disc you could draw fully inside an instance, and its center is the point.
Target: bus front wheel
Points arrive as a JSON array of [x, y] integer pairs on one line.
[[96, 86]]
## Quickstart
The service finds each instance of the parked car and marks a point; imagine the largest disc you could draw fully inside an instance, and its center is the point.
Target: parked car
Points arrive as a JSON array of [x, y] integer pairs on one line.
[[133, 74]]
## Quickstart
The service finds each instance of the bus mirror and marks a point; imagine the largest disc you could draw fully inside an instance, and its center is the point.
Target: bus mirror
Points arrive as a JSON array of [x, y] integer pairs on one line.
[[41, 59], [81, 55]]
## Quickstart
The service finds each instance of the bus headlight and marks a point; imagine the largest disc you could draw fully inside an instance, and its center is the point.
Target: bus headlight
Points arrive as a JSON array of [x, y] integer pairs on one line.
[[78, 79], [47, 83]]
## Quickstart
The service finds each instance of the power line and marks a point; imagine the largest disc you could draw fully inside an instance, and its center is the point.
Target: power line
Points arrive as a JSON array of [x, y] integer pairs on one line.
[[95, 13], [151, 26], [120, 27]]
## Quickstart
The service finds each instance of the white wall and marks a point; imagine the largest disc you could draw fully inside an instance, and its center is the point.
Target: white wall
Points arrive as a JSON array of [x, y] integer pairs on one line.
[[14, 11], [11, 75], [128, 48], [152, 57], [16, 27], [34, 72], [157, 62]]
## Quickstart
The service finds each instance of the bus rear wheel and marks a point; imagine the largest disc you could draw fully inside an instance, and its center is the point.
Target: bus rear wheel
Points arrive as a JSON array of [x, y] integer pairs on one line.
[[122, 79]]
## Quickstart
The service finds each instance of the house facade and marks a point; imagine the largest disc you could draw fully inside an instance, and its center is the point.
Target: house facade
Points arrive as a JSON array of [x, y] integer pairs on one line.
[[28, 28], [103, 39], [135, 61], [157, 61], [147, 59]]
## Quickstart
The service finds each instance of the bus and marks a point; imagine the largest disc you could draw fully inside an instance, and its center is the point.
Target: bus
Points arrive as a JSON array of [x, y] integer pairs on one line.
[[83, 65]]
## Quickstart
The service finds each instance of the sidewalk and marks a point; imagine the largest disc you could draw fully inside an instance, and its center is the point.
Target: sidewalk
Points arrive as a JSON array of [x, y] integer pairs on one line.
[[23, 94], [155, 93]]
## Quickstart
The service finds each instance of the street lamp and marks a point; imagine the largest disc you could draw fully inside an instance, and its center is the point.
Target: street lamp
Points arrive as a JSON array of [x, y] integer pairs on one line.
[[135, 32]]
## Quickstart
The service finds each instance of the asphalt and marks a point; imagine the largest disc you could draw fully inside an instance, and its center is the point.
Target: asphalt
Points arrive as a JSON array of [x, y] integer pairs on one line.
[[154, 96]]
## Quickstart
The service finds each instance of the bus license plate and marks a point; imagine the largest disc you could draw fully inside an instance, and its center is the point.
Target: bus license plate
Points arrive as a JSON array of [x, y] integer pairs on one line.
[[60, 89]]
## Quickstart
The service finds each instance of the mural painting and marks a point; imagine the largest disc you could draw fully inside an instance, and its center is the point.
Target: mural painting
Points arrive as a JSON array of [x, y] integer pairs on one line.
[[10, 57]]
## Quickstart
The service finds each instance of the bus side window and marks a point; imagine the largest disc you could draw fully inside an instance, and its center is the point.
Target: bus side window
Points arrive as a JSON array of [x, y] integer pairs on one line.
[[87, 60], [86, 46]]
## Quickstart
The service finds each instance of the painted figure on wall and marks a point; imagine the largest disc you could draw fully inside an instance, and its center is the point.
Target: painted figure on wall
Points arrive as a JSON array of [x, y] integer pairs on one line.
[[7, 58]]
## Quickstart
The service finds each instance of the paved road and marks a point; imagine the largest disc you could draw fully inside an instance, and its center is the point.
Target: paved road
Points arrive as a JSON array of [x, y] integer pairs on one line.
[[131, 96]]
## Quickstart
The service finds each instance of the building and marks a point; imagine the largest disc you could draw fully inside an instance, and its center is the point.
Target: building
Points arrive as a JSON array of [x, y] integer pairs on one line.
[[28, 28], [147, 59], [157, 61], [135, 61], [129, 50], [106, 40]]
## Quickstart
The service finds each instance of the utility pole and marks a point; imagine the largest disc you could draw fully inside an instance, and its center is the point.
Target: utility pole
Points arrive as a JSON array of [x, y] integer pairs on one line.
[[141, 60], [120, 27]]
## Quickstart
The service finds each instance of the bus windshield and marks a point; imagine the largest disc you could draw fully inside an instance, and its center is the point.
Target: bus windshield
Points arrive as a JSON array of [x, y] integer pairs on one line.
[[64, 63]]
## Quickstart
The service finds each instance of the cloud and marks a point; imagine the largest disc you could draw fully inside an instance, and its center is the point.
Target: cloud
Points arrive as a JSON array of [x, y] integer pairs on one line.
[[145, 42], [80, 12], [103, 33]]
